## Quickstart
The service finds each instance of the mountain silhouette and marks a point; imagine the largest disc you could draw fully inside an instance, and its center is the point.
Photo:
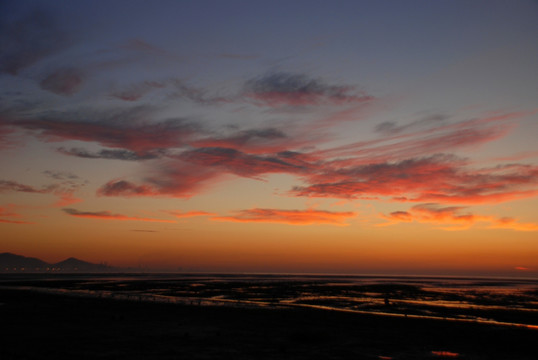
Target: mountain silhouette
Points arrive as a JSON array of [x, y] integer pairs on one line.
[[13, 261], [74, 264], [17, 263]]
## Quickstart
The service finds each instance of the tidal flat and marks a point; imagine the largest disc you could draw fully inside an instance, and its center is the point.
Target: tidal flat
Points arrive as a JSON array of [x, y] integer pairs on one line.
[[205, 316]]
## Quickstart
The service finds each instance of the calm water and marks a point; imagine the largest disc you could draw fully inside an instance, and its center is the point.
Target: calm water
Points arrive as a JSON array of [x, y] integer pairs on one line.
[[507, 302]]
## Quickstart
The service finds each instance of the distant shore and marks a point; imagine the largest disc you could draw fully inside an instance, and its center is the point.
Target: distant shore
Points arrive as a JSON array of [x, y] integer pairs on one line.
[[64, 327]]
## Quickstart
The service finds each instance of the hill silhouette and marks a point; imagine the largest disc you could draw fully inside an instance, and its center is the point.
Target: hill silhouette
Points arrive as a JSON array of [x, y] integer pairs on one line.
[[17, 263]]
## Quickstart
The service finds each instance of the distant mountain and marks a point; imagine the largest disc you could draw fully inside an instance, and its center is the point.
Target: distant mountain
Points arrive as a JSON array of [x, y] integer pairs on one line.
[[73, 264], [17, 263]]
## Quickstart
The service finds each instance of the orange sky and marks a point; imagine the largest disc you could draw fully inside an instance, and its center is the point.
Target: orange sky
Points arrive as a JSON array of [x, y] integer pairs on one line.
[[387, 141]]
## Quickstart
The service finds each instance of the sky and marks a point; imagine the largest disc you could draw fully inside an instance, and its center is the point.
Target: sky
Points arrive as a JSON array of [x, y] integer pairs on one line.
[[346, 137]]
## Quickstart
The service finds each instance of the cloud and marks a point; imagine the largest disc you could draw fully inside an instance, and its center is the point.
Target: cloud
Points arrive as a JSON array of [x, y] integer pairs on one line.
[[5, 221], [173, 178], [63, 191], [115, 154], [7, 186], [291, 217], [260, 141], [512, 224], [522, 268], [66, 198], [391, 128], [189, 214], [276, 89], [29, 40], [8, 211], [107, 215], [61, 175], [438, 178], [452, 218], [180, 90], [175, 89], [247, 139], [126, 188], [64, 81], [239, 163], [128, 129], [459, 135], [363, 170]]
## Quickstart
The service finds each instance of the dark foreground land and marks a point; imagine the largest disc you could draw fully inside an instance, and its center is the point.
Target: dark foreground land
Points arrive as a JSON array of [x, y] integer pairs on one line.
[[46, 326]]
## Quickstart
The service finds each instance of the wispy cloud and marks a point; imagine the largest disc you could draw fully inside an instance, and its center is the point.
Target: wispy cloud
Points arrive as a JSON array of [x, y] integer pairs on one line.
[[173, 178], [64, 192], [454, 218], [129, 129], [189, 214], [281, 88], [6, 221], [456, 136], [8, 212], [107, 215], [438, 178], [114, 154], [291, 217], [392, 128], [6, 186], [239, 163]]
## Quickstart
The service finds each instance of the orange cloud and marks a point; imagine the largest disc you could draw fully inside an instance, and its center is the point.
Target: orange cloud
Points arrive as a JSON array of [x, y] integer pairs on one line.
[[14, 221], [509, 223], [189, 214], [451, 218], [107, 215], [292, 217], [8, 212]]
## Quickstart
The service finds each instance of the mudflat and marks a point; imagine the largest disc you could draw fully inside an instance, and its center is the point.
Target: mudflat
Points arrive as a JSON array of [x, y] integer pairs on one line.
[[51, 326]]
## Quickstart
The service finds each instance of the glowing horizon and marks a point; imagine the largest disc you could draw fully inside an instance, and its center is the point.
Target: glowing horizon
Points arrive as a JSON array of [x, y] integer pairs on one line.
[[355, 137]]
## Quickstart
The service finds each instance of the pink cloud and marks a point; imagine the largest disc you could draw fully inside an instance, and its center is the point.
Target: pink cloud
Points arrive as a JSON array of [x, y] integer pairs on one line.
[[438, 178], [463, 134], [173, 178]]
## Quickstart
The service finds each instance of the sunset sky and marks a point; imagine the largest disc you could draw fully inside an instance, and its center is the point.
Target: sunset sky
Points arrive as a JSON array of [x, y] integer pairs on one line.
[[365, 137]]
